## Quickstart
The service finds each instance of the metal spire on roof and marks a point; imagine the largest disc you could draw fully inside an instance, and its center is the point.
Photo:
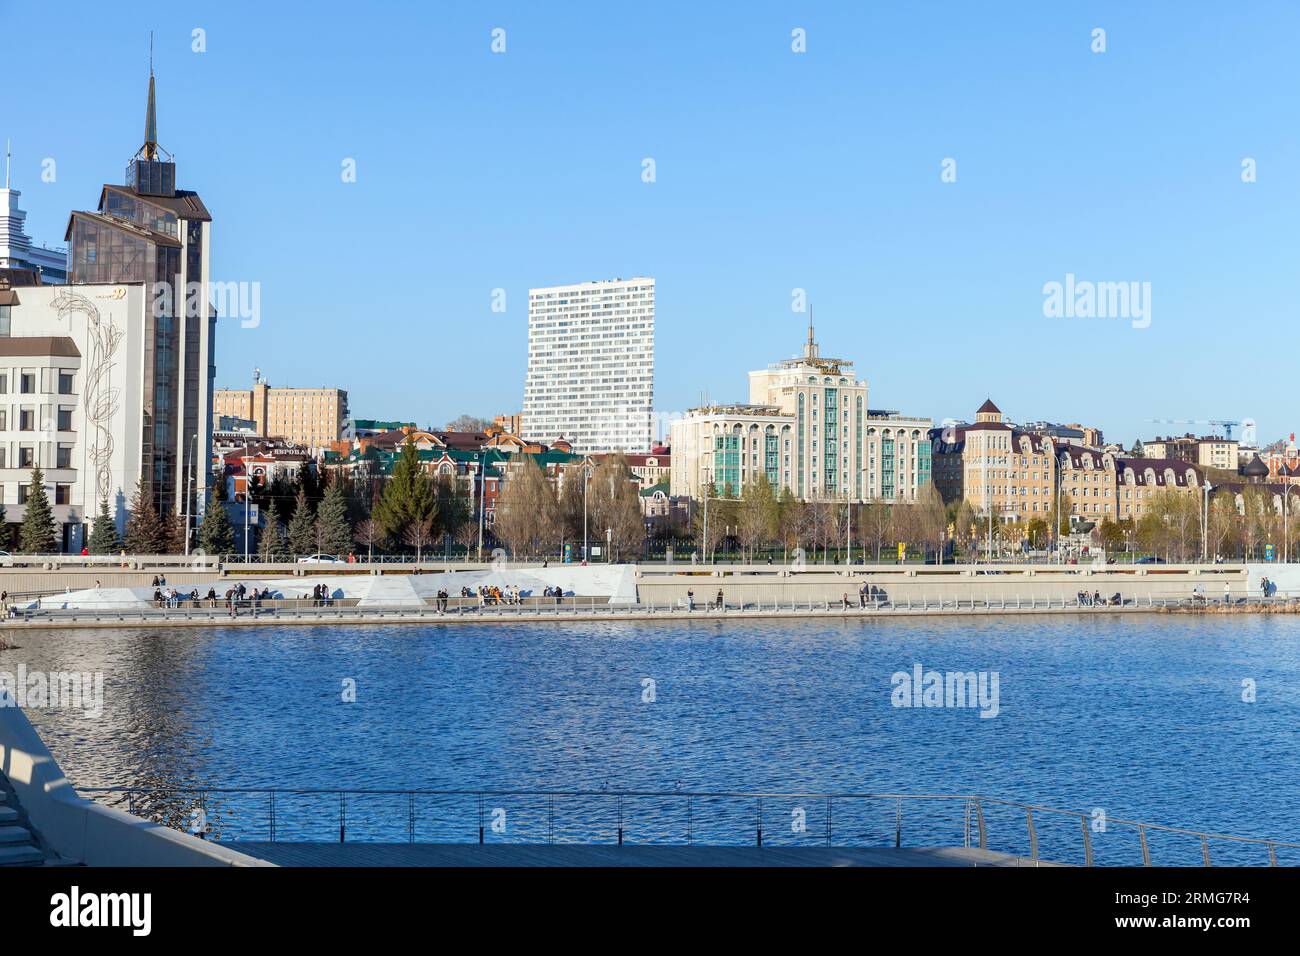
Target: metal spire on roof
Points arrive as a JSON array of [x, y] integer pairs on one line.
[[150, 148]]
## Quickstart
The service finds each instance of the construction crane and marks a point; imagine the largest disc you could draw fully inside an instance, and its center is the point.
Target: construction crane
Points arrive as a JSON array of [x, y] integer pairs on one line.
[[1247, 425]]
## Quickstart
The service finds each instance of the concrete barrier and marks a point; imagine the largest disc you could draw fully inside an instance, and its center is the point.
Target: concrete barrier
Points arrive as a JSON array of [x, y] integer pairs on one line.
[[81, 830]]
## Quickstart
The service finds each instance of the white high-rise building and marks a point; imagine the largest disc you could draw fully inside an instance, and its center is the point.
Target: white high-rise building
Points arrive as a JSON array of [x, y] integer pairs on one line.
[[591, 365], [16, 248]]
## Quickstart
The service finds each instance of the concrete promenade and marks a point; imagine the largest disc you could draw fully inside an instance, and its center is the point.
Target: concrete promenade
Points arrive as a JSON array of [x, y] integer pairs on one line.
[[513, 614]]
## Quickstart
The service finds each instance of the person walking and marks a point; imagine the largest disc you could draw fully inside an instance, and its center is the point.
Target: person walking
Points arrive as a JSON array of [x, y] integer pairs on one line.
[[1227, 593], [690, 600], [721, 605]]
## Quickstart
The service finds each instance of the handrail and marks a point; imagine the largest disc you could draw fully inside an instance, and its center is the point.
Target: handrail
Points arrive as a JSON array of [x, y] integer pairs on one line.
[[979, 804]]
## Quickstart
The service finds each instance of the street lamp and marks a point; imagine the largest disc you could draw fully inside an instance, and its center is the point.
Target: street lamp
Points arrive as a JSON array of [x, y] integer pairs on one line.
[[1205, 521]]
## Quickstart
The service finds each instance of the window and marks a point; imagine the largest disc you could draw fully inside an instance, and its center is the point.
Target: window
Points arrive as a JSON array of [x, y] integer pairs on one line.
[[4, 383], [65, 383], [26, 456], [63, 457], [65, 419], [5, 318], [26, 420], [22, 494], [4, 419], [62, 494], [27, 383]]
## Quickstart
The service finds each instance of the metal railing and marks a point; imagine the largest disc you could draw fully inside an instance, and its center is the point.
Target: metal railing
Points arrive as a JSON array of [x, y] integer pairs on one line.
[[186, 608], [671, 817]]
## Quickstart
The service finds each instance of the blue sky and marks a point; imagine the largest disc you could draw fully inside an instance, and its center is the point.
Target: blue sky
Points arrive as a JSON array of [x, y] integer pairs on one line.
[[774, 171]]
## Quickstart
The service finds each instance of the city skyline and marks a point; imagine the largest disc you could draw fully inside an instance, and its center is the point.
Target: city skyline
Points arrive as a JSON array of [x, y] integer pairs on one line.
[[914, 276]]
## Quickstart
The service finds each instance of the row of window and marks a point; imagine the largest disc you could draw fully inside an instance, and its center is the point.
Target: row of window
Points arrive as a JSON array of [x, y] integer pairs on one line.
[[62, 493], [27, 381]]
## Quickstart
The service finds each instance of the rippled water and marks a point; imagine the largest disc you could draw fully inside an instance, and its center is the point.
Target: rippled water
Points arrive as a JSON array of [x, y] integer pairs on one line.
[[1141, 717]]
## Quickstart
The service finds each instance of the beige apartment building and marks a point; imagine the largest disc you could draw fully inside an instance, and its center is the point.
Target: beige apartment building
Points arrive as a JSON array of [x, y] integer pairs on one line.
[[806, 427], [311, 417], [1209, 451], [1017, 474]]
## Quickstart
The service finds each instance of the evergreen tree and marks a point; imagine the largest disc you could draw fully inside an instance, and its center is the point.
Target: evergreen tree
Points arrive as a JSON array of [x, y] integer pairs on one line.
[[38, 534], [333, 531], [145, 531], [216, 536], [407, 496], [302, 527], [103, 539], [177, 533]]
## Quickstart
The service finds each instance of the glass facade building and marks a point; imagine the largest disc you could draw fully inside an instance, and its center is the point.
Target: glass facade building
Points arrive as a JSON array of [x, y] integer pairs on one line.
[[149, 232]]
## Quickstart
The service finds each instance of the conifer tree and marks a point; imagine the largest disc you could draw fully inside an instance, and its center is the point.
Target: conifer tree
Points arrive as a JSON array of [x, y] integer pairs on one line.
[[216, 536], [145, 531], [104, 539], [333, 532], [38, 534], [408, 495], [302, 527]]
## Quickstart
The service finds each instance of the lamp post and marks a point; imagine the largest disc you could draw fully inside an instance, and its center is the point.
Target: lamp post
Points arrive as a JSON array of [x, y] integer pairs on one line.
[[1205, 521], [189, 493], [586, 479], [482, 498]]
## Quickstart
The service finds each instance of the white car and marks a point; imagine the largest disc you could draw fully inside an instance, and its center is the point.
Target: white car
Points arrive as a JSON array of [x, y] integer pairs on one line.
[[321, 559], [6, 559]]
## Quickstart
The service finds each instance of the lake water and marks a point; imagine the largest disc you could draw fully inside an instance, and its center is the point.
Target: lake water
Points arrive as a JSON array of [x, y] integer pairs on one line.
[[1138, 717]]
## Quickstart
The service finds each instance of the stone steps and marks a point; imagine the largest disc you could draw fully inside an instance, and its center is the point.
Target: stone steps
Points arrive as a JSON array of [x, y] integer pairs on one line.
[[21, 855], [18, 845], [14, 834]]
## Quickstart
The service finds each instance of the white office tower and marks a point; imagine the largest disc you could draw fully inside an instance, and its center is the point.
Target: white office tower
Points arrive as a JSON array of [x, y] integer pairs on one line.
[[591, 364]]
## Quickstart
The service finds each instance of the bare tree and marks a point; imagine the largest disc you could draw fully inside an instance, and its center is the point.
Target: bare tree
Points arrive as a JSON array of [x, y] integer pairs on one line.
[[368, 534], [418, 535]]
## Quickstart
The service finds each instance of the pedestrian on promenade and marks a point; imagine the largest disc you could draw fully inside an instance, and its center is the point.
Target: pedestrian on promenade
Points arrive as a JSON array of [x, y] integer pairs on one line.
[[721, 605], [862, 596], [1227, 592], [846, 600], [690, 600]]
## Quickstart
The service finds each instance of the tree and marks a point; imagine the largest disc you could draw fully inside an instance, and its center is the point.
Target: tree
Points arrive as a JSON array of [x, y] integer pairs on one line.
[[1137, 451], [216, 536], [468, 423], [271, 543], [145, 531], [759, 515], [103, 539], [333, 533], [874, 525], [407, 495], [418, 535], [38, 534], [368, 534], [931, 519], [302, 527], [451, 505], [615, 504], [527, 513]]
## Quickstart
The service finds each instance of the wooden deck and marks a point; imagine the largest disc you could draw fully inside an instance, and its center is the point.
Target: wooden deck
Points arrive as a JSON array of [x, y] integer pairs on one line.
[[516, 854]]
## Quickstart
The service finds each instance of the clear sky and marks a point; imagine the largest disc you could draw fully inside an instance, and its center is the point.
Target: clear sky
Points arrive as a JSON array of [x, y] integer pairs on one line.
[[774, 170]]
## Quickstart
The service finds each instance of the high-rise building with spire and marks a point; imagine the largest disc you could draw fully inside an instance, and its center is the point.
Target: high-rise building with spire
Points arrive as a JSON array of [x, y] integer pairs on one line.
[[149, 231], [806, 427], [106, 382]]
